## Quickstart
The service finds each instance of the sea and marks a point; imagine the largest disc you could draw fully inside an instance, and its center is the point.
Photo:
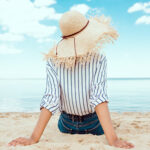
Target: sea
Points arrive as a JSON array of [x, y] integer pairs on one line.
[[125, 94]]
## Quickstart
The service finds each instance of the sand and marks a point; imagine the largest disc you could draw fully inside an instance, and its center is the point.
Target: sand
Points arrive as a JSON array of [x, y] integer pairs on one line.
[[131, 126]]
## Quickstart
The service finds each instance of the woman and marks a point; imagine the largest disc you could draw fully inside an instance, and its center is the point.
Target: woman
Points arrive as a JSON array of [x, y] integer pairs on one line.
[[76, 81]]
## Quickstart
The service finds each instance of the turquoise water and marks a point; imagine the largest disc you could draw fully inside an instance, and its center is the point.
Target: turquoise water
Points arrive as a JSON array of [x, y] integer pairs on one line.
[[124, 95]]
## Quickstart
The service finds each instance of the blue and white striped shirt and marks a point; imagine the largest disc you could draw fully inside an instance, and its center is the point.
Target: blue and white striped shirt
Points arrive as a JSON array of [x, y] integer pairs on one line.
[[76, 91]]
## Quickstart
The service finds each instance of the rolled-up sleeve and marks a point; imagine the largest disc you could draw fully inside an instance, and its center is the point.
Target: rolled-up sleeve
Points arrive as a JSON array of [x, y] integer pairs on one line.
[[51, 97], [98, 88]]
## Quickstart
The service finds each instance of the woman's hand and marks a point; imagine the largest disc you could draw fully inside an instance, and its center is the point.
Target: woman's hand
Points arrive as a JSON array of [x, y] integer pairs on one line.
[[45, 115], [21, 141], [122, 144]]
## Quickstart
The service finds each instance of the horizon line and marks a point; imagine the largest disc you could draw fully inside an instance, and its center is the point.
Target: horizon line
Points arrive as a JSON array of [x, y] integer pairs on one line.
[[109, 78]]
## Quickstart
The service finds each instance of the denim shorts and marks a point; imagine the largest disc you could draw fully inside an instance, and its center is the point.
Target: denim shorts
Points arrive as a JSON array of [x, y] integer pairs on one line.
[[74, 124]]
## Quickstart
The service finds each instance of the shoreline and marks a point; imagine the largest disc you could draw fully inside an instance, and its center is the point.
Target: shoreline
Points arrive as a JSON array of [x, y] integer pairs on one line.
[[130, 126], [124, 112]]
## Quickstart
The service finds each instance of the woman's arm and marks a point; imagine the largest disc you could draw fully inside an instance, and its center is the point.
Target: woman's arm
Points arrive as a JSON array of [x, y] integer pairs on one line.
[[44, 117], [48, 106], [105, 120]]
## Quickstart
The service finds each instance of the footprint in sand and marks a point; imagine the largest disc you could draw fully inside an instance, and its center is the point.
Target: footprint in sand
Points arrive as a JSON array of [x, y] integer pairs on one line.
[[135, 125], [66, 147], [116, 125], [3, 116], [80, 140], [26, 115], [92, 148]]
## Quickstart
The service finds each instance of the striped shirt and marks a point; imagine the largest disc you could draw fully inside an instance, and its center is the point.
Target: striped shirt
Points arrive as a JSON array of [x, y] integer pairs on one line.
[[76, 91]]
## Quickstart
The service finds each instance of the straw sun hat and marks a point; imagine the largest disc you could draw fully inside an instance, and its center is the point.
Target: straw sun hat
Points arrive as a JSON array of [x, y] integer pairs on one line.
[[81, 38]]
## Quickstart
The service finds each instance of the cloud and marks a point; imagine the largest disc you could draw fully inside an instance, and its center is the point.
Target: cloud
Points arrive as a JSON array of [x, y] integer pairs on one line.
[[41, 3], [82, 8], [11, 37], [140, 7], [45, 40], [4, 49], [143, 19], [23, 18]]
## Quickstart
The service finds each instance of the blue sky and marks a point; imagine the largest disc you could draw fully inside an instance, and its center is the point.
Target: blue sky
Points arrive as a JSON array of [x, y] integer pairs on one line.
[[29, 28]]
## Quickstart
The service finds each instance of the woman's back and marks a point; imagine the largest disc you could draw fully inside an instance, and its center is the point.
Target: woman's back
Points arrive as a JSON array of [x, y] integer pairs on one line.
[[76, 90]]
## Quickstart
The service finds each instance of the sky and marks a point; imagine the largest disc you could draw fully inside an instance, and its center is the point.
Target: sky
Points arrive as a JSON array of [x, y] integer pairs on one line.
[[29, 28]]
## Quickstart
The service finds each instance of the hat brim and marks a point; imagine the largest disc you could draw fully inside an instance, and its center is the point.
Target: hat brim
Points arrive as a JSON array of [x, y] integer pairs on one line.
[[89, 41]]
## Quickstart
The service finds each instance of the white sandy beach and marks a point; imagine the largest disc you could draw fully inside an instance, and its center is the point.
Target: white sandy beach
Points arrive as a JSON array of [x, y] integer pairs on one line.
[[131, 126]]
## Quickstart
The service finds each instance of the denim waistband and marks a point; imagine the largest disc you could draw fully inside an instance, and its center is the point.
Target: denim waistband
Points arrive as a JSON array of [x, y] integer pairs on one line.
[[77, 117]]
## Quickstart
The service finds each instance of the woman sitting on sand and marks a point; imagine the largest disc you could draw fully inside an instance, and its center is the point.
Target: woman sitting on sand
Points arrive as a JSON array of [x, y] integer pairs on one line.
[[76, 81]]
